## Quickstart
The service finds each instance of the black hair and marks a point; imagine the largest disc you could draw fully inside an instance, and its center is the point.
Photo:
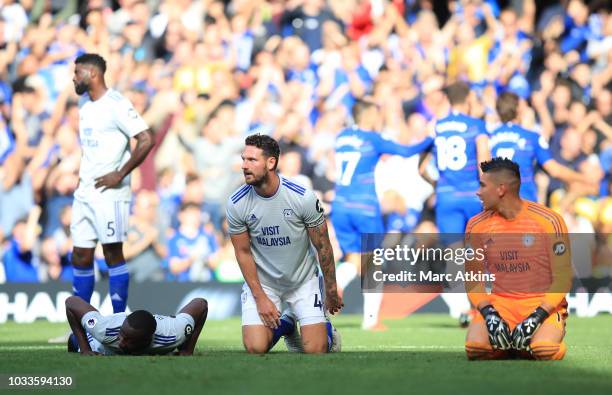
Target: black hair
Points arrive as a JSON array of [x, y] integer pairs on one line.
[[499, 164], [360, 107], [506, 106], [267, 144], [189, 205], [142, 321], [92, 59], [457, 92]]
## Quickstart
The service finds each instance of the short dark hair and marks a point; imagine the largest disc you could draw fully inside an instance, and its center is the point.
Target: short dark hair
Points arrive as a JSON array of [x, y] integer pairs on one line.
[[500, 164], [189, 205], [457, 92], [360, 107], [92, 59], [506, 106], [142, 321], [267, 144], [192, 177]]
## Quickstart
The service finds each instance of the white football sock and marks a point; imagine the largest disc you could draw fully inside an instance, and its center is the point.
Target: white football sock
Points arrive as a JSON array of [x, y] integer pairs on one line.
[[457, 303], [345, 273], [371, 307]]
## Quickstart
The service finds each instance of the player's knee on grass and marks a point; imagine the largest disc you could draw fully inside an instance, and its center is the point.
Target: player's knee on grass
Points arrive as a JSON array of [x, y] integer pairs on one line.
[[480, 351], [548, 351], [314, 338], [315, 346], [477, 344], [547, 343], [256, 347], [256, 339]]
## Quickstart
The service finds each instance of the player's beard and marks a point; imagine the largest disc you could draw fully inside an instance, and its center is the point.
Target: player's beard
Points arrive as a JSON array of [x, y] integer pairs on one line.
[[257, 181], [81, 88]]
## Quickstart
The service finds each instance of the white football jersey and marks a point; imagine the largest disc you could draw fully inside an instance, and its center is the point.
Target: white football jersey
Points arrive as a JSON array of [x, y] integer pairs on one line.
[[278, 228], [105, 128], [103, 332]]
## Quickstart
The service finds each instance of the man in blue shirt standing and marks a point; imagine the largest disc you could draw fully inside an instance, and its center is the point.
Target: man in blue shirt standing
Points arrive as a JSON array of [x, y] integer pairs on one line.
[[356, 209], [461, 143], [526, 148]]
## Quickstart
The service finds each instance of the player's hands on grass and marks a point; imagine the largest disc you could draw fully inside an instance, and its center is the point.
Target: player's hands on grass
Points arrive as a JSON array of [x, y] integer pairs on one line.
[[524, 331], [333, 301], [268, 312], [499, 331], [110, 180]]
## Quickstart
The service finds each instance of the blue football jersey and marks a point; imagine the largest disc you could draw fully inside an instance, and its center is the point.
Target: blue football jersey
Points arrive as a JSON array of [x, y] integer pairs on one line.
[[357, 153], [523, 147], [456, 155]]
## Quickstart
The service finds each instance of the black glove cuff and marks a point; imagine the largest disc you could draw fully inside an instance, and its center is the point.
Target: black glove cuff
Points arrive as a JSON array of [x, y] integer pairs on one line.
[[488, 309], [540, 313]]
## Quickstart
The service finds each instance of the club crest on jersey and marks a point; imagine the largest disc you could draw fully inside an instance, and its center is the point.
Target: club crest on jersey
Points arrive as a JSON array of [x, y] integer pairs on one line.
[[287, 213], [559, 248], [91, 322], [188, 330], [528, 240], [252, 218]]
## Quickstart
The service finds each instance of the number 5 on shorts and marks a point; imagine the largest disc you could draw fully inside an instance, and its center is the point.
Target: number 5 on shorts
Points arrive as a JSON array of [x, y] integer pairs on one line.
[[110, 229]]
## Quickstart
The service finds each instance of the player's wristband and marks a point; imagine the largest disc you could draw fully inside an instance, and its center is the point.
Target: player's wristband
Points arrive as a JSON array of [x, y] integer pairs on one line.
[[488, 309], [540, 314]]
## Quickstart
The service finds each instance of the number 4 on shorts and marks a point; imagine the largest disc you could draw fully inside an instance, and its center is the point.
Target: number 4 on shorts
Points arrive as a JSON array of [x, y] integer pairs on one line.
[[317, 301]]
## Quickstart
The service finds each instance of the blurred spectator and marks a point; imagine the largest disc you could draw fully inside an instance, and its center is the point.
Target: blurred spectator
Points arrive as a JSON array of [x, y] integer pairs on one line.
[[19, 259], [191, 250], [205, 74], [145, 248], [304, 19], [57, 249]]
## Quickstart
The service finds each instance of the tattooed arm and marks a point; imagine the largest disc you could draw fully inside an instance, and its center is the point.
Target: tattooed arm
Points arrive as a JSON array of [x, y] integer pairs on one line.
[[320, 239]]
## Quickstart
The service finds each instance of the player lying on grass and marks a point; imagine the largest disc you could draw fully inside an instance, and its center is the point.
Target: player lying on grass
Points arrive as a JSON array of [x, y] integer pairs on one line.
[[138, 333], [526, 246]]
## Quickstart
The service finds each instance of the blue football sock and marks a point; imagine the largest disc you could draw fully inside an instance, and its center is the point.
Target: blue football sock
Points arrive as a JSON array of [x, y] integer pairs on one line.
[[286, 327], [118, 283], [329, 328], [83, 282]]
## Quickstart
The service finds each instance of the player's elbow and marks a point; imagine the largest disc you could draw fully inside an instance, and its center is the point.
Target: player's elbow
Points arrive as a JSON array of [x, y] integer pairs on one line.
[[70, 302], [150, 142], [201, 305], [146, 140]]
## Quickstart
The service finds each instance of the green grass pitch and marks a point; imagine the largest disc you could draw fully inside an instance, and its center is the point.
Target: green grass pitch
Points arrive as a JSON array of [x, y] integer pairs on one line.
[[422, 354]]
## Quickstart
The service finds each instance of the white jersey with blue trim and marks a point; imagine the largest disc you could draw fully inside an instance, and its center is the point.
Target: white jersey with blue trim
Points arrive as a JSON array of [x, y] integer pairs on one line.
[[105, 128], [277, 226], [103, 332]]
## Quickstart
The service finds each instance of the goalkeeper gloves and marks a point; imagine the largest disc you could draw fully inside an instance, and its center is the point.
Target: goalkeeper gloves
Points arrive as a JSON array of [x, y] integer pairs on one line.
[[499, 331], [523, 333]]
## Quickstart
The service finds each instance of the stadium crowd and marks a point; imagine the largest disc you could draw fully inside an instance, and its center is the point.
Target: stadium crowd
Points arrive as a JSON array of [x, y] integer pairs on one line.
[[207, 73]]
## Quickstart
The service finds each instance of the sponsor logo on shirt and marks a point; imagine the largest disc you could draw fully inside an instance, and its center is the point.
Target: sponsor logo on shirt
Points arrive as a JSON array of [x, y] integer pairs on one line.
[[559, 248]]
